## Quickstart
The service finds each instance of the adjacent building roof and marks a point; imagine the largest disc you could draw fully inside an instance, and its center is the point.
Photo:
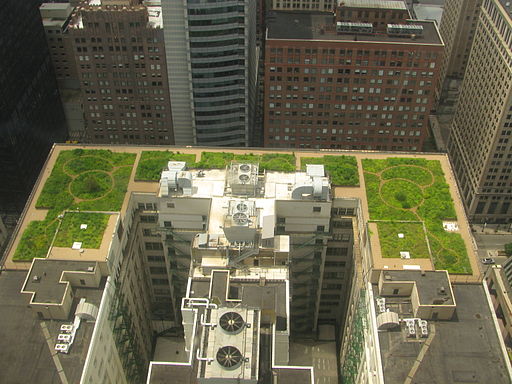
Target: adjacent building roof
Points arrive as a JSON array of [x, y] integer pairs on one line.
[[320, 26], [462, 351]]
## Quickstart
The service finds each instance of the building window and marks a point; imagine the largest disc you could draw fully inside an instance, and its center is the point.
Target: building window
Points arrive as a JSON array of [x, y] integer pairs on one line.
[[167, 224], [170, 205], [320, 228], [317, 209], [153, 246]]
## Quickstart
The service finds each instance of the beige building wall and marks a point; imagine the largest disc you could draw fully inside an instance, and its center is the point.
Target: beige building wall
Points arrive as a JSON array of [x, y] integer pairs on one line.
[[458, 26], [479, 144]]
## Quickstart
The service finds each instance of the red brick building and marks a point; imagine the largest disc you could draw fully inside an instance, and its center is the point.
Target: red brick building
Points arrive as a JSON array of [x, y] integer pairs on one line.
[[349, 85]]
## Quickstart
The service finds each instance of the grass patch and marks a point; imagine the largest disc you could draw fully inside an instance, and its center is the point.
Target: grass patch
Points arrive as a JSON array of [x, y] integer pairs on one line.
[[216, 160], [413, 241], [151, 163], [341, 169], [70, 231], [279, 162], [448, 249], [91, 185], [36, 240], [71, 171], [416, 174], [401, 193]]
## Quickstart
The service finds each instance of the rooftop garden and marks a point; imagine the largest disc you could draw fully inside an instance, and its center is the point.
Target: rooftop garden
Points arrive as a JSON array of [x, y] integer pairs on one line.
[[396, 237], [280, 162], [84, 227], [341, 169], [82, 180], [403, 189], [152, 163]]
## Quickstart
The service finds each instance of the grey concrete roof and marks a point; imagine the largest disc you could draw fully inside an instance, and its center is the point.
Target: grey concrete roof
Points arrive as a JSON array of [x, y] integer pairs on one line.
[[315, 26], [178, 374], [26, 353], [47, 287], [464, 350], [428, 284]]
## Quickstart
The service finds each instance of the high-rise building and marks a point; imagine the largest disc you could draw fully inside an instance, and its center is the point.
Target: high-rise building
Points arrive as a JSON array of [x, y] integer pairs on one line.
[[211, 61], [31, 114], [458, 26], [480, 145], [56, 18], [238, 273], [110, 62], [365, 81]]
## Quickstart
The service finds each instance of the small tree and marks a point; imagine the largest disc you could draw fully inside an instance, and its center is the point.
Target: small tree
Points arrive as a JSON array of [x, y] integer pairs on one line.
[[91, 184], [508, 249]]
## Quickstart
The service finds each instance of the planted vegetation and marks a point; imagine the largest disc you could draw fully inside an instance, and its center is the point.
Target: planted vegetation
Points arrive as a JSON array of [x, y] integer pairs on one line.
[[279, 162], [70, 229], [92, 180], [413, 240], [394, 194], [152, 163], [341, 169]]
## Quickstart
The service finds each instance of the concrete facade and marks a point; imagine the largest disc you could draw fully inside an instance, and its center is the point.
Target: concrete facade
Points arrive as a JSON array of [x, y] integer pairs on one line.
[[479, 144]]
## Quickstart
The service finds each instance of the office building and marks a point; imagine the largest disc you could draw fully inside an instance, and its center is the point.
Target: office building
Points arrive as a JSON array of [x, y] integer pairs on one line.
[[56, 18], [212, 68], [479, 144], [457, 28], [31, 116], [110, 62], [236, 273], [358, 80]]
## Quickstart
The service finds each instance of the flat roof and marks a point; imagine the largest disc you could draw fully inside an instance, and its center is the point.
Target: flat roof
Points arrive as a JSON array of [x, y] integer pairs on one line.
[[428, 284], [28, 354], [357, 192], [464, 350], [45, 275], [284, 25]]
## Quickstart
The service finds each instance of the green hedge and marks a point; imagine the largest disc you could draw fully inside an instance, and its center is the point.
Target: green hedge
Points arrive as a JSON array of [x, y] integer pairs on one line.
[[448, 249], [341, 169]]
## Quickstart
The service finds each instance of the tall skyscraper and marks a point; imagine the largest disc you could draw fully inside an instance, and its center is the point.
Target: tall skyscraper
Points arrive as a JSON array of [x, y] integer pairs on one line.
[[211, 60], [31, 114], [120, 63], [480, 140], [364, 80], [458, 26]]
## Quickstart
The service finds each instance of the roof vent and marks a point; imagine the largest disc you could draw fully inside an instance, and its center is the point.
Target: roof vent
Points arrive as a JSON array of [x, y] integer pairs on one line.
[[229, 357], [231, 322]]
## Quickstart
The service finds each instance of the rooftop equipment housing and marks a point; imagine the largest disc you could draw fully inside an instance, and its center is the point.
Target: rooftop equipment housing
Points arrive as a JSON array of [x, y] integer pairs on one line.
[[349, 27], [404, 29]]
